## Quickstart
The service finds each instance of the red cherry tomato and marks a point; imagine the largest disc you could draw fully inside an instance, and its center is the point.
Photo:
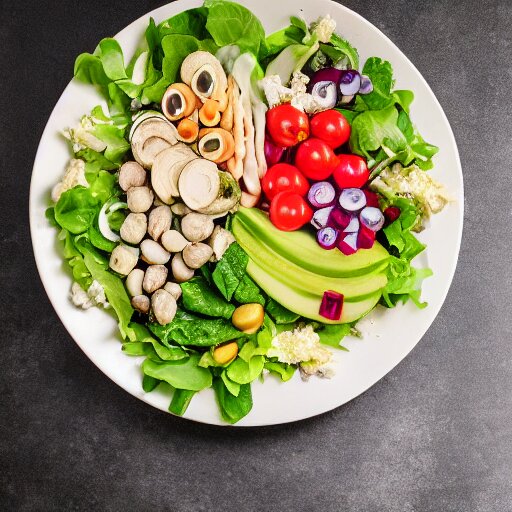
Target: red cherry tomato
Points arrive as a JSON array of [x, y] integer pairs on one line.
[[284, 177], [351, 171], [331, 126], [287, 125], [315, 159], [289, 211]]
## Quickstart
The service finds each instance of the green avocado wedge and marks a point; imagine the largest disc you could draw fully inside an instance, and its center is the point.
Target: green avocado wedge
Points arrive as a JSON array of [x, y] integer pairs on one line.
[[292, 269], [300, 247], [308, 304]]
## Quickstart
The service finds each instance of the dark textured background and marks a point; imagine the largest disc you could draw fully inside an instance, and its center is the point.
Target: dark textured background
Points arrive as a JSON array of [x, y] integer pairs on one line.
[[434, 435]]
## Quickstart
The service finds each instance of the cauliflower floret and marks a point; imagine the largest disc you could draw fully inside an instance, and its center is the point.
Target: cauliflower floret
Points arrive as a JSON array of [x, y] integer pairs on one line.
[[323, 28], [81, 135], [73, 175], [276, 93], [415, 183], [302, 346], [94, 296]]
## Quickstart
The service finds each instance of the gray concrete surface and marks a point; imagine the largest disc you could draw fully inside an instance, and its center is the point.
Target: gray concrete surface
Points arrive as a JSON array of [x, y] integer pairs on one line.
[[434, 435]]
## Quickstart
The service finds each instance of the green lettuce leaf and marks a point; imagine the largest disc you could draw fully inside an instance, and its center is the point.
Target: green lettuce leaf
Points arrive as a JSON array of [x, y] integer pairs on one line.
[[283, 370], [279, 313], [76, 209], [232, 408], [180, 401]]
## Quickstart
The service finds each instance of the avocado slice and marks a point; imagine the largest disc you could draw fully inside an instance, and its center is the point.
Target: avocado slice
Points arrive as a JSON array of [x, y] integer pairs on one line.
[[305, 281], [300, 247], [308, 304]]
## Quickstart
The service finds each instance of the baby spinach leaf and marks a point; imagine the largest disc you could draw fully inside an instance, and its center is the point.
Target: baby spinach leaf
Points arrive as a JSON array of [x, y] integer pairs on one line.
[[180, 401], [199, 297], [140, 333], [283, 370], [76, 209], [245, 371], [232, 408], [149, 383], [232, 387], [248, 292], [230, 270], [279, 313], [188, 329], [182, 374], [231, 23], [333, 334]]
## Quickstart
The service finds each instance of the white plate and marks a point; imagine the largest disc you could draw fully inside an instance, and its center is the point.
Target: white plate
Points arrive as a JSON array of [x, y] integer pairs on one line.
[[389, 335]]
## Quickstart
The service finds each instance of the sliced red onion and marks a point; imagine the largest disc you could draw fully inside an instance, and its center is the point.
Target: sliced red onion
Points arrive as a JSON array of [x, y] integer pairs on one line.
[[339, 218], [350, 82], [352, 226], [321, 194], [273, 153], [372, 199], [325, 75], [321, 217], [352, 199], [366, 85], [348, 244], [392, 213], [365, 238], [327, 237], [331, 305], [326, 94], [372, 218]]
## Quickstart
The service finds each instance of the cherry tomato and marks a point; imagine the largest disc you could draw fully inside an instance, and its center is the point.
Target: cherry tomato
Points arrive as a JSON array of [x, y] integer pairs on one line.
[[284, 177], [287, 125], [351, 171], [315, 159], [331, 126], [289, 211]]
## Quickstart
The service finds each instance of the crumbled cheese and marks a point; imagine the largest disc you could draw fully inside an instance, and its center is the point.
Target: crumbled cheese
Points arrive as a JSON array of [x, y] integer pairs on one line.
[[94, 296], [323, 28], [276, 93], [302, 346], [73, 175]]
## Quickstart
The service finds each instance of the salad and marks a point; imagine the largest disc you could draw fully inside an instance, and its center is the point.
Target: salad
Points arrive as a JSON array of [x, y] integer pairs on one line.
[[240, 200]]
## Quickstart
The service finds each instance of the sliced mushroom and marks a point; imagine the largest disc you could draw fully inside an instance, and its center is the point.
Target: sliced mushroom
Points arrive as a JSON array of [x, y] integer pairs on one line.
[[180, 271], [153, 253], [164, 306], [134, 228], [174, 241], [174, 289], [167, 168], [139, 199], [199, 183], [216, 144], [209, 114], [123, 259], [159, 221], [188, 130], [131, 174], [203, 72], [141, 303], [228, 197], [220, 240], [197, 227], [197, 254], [152, 136], [154, 278], [178, 101], [133, 282]]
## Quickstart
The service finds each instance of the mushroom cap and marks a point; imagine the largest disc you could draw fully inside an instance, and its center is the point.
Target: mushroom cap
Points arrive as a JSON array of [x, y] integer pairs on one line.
[[199, 183]]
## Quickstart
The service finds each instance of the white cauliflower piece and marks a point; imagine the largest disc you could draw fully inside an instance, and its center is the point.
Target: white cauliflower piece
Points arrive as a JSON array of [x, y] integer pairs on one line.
[[73, 175], [414, 183], [323, 28], [302, 346], [275, 92], [299, 83], [94, 296]]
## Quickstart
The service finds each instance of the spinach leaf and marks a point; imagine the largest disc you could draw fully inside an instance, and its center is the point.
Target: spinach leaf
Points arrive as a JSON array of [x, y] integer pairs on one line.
[[232, 408], [279, 313], [76, 209], [279, 40], [231, 23], [283, 370], [199, 297], [248, 292], [232, 387], [140, 333], [230, 270], [149, 383], [188, 329], [188, 23], [248, 365], [333, 334], [180, 401], [182, 374]]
